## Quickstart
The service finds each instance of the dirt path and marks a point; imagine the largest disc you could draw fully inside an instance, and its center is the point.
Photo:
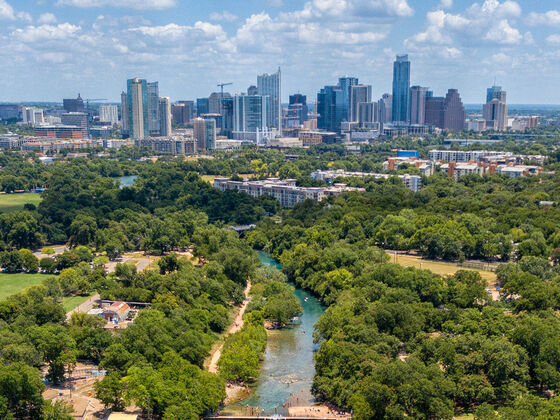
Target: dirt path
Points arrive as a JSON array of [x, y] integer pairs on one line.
[[235, 327]]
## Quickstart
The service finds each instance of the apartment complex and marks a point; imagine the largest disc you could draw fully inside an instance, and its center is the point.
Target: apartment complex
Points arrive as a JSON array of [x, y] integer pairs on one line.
[[426, 167], [285, 191], [412, 182], [458, 169], [172, 145]]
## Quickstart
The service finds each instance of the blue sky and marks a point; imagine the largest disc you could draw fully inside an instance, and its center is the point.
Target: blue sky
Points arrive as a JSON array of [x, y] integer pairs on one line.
[[56, 48]]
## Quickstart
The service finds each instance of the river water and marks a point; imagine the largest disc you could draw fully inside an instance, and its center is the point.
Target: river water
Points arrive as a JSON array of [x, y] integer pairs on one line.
[[127, 181], [288, 366]]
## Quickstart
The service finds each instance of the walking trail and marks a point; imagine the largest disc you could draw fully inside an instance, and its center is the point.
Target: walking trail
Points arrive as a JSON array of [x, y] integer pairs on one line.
[[235, 327]]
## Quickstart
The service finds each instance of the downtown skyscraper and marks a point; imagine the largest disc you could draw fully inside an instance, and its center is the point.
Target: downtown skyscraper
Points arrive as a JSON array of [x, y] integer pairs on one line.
[[495, 111], [271, 85], [401, 88], [135, 108]]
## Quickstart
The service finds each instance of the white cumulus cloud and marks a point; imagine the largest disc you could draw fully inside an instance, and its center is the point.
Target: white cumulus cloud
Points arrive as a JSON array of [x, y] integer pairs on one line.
[[550, 18], [489, 22], [131, 4], [503, 33], [46, 32], [225, 16], [6, 11], [47, 18], [553, 39]]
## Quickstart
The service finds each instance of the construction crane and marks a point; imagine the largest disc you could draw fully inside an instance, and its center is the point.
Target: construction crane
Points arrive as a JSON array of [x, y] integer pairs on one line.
[[221, 86]]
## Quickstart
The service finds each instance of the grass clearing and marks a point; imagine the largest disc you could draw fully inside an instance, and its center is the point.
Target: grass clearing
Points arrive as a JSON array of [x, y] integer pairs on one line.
[[71, 302], [13, 202], [10, 284], [438, 267], [210, 178]]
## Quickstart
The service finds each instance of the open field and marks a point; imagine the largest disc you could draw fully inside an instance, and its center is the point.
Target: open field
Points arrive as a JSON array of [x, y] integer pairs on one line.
[[210, 178], [13, 202], [71, 302], [11, 284], [438, 267]]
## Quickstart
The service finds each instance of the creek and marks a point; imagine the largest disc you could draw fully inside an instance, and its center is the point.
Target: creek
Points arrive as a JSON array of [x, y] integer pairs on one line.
[[288, 367]]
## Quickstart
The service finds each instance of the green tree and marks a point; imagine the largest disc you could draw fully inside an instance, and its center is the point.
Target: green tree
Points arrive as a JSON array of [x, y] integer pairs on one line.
[[110, 391]]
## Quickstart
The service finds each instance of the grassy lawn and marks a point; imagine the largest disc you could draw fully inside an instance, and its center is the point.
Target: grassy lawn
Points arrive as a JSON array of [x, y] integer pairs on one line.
[[12, 202], [11, 284], [210, 178], [438, 267], [71, 302]]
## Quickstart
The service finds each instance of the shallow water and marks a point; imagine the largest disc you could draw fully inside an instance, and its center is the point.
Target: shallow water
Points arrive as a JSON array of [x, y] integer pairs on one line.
[[127, 181], [288, 367]]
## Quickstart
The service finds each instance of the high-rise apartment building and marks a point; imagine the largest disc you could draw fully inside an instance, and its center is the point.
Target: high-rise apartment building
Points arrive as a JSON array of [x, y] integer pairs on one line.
[[32, 115], [401, 88], [359, 94], [252, 90], [109, 113], [189, 109], [298, 111], [125, 127], [417, 105], [453, 111], [214, 102], [270, 85], [366, 112], [250, 113], [334, 103], [227, 118], [202, 106], [495, 111], [385, 109], [137, 108], [182, 113], [153, 108], [204, 133], [331, 109], [165, 117], [433, 114], [345, 84]]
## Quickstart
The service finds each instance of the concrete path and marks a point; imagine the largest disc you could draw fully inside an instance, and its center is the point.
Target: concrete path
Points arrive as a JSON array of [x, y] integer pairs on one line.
[[86, 306]]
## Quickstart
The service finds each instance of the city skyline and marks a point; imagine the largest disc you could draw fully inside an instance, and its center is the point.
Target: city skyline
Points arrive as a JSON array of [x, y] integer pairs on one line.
[[53, 47]]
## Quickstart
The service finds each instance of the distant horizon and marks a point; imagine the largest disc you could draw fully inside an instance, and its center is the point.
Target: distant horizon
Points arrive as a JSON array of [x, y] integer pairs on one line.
[[283, 103]]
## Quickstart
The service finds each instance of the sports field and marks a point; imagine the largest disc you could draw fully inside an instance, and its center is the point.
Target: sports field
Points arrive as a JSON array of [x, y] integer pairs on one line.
[[11, 284], [12, 202]]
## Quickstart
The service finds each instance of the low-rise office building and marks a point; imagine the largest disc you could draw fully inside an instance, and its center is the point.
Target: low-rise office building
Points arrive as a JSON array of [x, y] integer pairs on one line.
[[312, 138]]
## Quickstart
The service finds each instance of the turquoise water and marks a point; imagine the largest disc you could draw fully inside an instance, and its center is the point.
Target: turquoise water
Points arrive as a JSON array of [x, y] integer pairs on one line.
[[127, 181], [288, 366]]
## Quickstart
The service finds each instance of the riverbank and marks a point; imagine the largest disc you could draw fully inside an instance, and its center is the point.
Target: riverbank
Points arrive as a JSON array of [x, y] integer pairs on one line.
[[288, 367], [236, 326]]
